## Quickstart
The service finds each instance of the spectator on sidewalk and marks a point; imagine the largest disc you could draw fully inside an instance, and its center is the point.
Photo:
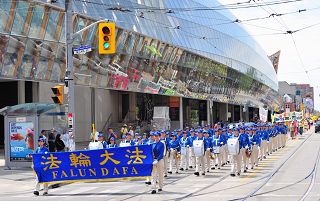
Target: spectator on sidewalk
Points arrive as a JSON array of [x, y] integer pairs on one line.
[[59, 143], [51, 141]]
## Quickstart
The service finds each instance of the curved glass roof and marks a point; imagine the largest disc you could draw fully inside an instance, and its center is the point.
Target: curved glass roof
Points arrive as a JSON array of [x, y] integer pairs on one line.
[[206, 32]]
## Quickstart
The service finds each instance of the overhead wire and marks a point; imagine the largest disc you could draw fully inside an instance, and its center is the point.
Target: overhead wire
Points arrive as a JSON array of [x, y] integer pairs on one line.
[[170, 10]]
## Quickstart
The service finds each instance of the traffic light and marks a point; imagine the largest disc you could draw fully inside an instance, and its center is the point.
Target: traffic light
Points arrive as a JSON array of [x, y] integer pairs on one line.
[[58, 94], [107, 38]]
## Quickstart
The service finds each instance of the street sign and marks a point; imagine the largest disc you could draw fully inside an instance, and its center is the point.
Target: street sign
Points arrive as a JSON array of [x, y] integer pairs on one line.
[[82, 49]]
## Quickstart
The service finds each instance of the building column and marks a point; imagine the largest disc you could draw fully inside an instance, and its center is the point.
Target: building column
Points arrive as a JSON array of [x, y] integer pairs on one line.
[[132, 106], [223, 112], [232, 113], [209, 111], [246, 114], [35, 92], [21, 92], [181, 113], [241, 113]]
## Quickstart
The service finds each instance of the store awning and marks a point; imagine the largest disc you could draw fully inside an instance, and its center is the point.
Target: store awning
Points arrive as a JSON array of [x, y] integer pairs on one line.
[[28, 109]]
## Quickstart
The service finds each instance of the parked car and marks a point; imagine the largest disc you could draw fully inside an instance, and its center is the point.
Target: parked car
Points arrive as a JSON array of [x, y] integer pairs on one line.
[[317, 126]]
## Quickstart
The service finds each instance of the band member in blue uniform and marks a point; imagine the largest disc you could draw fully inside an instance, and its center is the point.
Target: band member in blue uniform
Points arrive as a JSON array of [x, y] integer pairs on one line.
[[184, 147], [174, 147], [158, 163]]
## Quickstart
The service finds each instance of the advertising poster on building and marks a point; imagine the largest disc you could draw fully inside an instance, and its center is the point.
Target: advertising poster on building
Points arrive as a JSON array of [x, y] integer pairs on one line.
[[21, 140]]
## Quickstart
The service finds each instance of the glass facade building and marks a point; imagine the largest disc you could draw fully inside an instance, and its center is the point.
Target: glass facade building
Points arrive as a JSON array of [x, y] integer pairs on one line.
[[164, 47]]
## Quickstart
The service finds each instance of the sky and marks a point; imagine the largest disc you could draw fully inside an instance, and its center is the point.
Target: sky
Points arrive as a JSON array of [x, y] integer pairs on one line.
[[300, 50]]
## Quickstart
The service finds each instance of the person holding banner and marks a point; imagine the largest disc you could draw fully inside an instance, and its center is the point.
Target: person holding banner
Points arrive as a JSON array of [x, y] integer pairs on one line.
[[150, 141], [158, 164], [165, 140], [184, 144], [41, 150]]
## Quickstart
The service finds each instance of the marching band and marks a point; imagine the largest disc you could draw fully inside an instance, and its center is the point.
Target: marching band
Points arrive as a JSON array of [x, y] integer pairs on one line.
[[207, 148]]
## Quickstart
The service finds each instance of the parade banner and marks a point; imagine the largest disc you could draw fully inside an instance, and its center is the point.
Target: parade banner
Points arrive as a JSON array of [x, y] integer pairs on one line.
[[91, 165], [263, 114]]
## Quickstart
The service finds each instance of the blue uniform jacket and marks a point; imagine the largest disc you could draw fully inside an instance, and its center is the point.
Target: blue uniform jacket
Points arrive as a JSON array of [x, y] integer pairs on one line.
[[185, 142], [42, 150], [191, 140], [158, 150], [166, 140], [264, 135], [257, 139], [104, 144], [244, 140], [174, 144], [216, 141]]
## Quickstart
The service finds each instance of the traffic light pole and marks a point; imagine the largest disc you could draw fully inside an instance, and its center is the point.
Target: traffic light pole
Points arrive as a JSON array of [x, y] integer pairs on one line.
[[70, 74], [70, 70]]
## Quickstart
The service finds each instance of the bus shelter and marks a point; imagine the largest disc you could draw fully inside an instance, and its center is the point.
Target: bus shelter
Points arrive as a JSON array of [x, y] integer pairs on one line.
[[23, 124]]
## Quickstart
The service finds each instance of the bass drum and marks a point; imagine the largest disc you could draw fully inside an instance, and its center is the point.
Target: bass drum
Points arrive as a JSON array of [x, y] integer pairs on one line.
[[233, 146], [198, 147]]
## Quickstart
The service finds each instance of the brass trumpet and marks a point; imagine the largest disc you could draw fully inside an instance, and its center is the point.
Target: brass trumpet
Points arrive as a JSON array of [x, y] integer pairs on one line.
[[178, 156], [212, 157]]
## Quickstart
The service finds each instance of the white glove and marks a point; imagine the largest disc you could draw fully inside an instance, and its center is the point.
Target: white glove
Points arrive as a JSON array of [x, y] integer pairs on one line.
[[155, 162], [171, 149], [254, 143], [221, 142], [188, 146], [208, 149]]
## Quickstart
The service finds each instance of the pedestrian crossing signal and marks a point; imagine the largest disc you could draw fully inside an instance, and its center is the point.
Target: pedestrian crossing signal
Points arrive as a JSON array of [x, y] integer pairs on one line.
[[58, 94], [107, 38]]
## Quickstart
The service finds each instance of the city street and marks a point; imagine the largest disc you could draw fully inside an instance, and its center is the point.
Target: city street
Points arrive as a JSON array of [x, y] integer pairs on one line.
[[291, 173]]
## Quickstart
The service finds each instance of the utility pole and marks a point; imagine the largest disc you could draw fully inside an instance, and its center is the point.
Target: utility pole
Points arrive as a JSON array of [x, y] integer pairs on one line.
[[70, 73]]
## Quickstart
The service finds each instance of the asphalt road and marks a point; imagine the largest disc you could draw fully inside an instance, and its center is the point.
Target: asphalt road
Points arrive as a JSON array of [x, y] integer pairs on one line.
[[292, 173]]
